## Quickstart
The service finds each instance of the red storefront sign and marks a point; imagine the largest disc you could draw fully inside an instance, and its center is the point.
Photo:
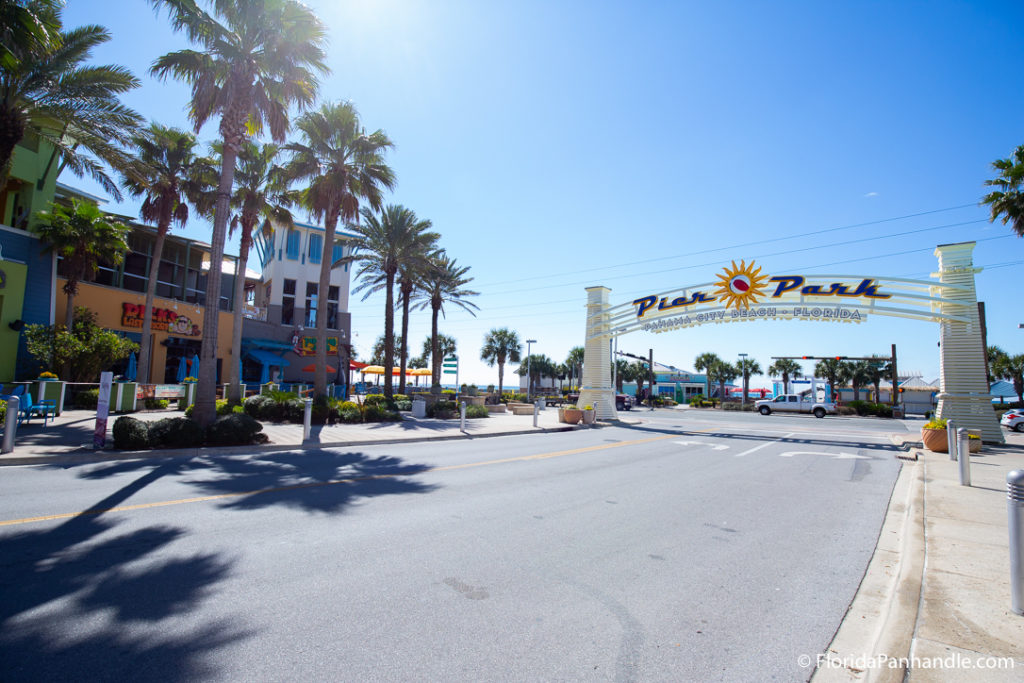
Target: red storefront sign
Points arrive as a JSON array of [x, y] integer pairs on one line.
[[164, 319]]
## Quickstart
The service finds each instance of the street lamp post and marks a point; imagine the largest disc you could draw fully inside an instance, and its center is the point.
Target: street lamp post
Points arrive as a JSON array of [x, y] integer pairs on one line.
[[743, 369], [529, 376]]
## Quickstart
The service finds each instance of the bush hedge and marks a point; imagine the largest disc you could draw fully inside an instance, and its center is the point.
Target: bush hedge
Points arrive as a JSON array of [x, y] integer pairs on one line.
[[156, 403], [175, 432], [130, 434], [872, 409], [88, 399], [235, 429], [477, 411]]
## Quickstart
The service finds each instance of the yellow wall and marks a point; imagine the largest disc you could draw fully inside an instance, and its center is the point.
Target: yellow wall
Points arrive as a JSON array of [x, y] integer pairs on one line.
[[107, 303]]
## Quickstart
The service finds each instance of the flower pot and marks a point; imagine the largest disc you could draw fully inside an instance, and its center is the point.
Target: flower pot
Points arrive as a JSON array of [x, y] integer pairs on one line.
[[935, 440], [570, 415], [589, 416]]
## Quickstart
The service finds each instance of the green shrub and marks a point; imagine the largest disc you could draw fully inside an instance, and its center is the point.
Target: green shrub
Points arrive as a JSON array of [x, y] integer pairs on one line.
[[233, 429], [477, 411], [403, 405], [222, 408], [156, 403], [378, 413], [374, 400], [3, 412], [938, 423], [845, 410], [130, 434], [730, 405], [443, 410], [238, 410], [401, 397], [87, 400], [349, 412], [175, 432]]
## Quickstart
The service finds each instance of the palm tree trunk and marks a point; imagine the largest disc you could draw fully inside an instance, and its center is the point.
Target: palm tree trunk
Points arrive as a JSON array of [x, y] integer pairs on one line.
[[69, 315], [501, 377], [234, 374], [323, 287], [405, 339], [435, 361], [389, 335], [205, 411], [146, 343]]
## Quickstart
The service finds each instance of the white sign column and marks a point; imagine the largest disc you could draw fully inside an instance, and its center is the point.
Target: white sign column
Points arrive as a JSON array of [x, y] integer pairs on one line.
[[964, 394], [597, 387]]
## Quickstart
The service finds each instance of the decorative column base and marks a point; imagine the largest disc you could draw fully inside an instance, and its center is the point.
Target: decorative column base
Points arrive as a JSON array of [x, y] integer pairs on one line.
[[597, 388]]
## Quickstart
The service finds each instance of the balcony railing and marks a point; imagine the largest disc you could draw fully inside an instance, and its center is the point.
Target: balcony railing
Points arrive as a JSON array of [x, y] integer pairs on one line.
[[254, 312]]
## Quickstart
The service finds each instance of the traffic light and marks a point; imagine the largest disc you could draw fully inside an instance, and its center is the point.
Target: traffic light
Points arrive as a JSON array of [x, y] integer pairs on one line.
[[805, 357]]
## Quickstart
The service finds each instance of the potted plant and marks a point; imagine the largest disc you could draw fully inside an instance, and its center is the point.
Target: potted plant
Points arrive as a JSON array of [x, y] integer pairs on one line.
[[589, 414], [933, 434], [47, 377], [48, 387], [570, 415]]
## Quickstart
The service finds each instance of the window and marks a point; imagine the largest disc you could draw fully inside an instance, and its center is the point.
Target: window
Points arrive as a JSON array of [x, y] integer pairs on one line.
[[311, 289], [793, 399], [316, 248], [292, 245], [332, 308], [288, 303], [339, 252]]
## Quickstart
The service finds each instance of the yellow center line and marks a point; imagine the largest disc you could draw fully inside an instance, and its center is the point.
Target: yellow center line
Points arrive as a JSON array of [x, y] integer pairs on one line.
[[332, 482]]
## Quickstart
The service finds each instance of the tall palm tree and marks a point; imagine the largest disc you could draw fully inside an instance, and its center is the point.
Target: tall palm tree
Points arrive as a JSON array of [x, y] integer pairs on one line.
[[257, 58], [166, 173], [444, 281], [395, 248], [857, 373], [785, 368], [1008, 201], [500, 346], [877, 370], [574, 361], [82, 236], [47, 91], [446, 346], [27, 25], [748, 367], [639, 372], [993, 354], [261, 193], [534, 368], [832, 370], [344, 166], [622, 374], [722, 372], [703, 363]]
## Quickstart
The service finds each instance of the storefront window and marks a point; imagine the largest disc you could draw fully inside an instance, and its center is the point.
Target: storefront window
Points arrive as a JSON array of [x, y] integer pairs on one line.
[[292, 245], [288, 302], [332, 308], [311, 297], [316, 248]]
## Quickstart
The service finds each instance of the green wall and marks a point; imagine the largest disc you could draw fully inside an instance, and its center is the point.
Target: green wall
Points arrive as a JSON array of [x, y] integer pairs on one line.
[[12, 295]]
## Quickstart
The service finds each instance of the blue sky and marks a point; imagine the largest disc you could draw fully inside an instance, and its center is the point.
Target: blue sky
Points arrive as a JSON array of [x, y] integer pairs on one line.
[[644, 146]]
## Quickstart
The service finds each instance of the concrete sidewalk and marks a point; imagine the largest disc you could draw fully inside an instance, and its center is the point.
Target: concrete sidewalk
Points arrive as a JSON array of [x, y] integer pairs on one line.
[[937, 591], [69, 438]]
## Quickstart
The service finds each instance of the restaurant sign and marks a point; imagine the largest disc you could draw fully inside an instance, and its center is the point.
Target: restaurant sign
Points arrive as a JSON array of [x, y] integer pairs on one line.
[[308, 347], [163, 320]]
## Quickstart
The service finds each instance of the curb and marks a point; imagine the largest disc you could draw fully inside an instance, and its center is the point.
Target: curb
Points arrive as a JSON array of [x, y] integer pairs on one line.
[[882, 618], [254, 449]]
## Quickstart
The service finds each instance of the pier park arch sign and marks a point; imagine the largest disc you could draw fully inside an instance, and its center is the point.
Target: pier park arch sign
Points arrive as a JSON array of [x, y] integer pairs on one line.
[[743, 292]]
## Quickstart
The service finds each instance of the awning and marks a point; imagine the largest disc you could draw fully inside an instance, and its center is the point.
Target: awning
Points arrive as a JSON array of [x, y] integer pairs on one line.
[[265, 344], [267, 358]]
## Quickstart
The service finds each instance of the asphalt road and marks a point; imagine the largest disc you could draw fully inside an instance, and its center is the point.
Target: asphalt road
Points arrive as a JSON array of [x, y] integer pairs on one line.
[[696, 546]]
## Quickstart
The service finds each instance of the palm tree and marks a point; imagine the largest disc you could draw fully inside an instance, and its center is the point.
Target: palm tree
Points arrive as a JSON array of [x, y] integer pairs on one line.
[[344, 166], [703, 363], [397, 247], [260, 193], [832, 370], [1008, 201], [500, 346], [82, 236], [857, 373], [258, 58], [446, 347], [785, 368], [993, 355], [444, 281], [1012, 368], [378, 354], [748, 367], [538, 366], [46, 91], [877, 370], [639, 373], [722, 372], [574, 361], [621, 374], [166, 173]]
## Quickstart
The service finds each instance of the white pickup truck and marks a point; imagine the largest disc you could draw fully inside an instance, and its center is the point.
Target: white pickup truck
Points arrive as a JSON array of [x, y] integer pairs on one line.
[[795, 403]]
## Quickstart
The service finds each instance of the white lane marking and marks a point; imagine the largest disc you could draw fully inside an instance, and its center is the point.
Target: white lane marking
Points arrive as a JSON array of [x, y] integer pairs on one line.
[[766, 443], [717, 447], [837, 456]]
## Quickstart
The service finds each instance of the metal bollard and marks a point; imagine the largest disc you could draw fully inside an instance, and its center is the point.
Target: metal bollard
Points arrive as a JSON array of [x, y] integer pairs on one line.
[[307, 419], [11, 424], [536, 412], [951, 438], [964, 454], [462, 412], [1015, 506]]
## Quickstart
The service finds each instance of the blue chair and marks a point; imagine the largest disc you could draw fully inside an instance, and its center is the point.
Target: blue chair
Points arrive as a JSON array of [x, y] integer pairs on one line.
[[46, 409], [24, 407]]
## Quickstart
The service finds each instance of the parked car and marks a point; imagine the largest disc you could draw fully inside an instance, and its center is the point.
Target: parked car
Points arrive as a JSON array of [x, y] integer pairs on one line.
[[795, 403], [1013, 419]]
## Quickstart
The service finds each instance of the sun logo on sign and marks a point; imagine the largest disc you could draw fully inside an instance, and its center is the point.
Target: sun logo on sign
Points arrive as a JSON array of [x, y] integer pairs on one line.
[[740, 286]]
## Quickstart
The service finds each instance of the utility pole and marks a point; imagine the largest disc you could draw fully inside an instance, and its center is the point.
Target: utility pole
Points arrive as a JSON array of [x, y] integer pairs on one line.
[[895, 379], [650, 359]]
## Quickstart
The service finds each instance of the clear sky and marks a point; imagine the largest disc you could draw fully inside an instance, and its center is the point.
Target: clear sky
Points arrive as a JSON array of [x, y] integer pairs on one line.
[[643, 146]]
